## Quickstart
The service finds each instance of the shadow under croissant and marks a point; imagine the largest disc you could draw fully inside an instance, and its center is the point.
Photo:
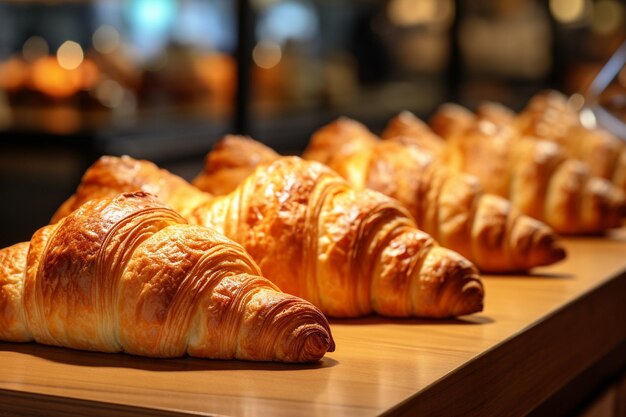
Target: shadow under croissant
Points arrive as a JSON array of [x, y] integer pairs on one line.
[[122, 360], [613, 235], [529, 275], [474, 319]]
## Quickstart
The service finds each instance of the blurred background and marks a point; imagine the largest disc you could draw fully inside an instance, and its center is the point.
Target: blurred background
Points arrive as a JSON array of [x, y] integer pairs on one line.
[[164, 80]]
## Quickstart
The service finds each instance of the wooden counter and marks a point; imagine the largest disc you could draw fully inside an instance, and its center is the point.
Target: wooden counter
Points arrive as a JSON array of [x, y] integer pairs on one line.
[[537, 333]]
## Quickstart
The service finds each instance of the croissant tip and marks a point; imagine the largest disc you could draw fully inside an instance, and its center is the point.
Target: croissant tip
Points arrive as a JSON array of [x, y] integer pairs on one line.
[[317, 342], [549, 251], [472, 297], [559, 253]]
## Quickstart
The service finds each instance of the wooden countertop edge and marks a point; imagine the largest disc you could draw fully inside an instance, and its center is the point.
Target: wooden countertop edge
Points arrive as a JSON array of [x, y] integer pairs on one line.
[[522, 371], [28, 404], [17, 404]]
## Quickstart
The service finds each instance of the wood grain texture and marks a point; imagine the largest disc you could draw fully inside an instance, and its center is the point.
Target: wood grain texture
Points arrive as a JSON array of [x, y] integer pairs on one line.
[[536, 333]]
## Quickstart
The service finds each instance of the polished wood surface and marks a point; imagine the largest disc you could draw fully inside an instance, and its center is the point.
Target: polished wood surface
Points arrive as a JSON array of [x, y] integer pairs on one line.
[[537, 333]]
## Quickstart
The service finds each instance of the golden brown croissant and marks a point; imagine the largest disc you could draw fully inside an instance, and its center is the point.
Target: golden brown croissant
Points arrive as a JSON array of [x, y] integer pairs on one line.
[[550, 116], [230, 161], [448, 205], [355, 252], [349, 252], [535, 175], [110, 175], [127, 274]]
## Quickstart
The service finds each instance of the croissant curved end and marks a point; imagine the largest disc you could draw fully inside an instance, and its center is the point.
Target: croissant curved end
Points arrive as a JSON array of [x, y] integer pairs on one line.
[[315, 342], [548, 251], [471, 299], [462, 292], [303, 330], [311, 338]]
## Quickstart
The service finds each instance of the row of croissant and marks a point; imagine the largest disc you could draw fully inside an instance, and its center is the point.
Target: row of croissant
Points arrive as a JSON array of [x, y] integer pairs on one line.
[[141, 261]]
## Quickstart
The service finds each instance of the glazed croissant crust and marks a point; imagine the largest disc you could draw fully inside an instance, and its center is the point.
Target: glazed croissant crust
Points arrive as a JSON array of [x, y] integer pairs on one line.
[[450, 206], [537, 175], [128, 274], [349, 252], [357, 251]]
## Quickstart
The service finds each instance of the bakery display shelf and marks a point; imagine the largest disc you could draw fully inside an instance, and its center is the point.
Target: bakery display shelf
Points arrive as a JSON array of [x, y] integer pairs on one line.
[[537, 333]]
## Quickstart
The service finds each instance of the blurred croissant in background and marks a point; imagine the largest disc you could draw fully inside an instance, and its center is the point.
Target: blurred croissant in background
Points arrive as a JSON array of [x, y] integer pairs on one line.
[[550, 116], [536, 175]]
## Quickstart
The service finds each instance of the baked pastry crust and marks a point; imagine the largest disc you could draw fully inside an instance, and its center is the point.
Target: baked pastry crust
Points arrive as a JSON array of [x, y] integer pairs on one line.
[[128, 274]]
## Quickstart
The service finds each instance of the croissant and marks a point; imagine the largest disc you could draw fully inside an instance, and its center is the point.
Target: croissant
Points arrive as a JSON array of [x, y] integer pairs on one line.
[[128, 274], [348, 252], [224, 169], [550, 116], [537, 176], [449, 121], [448, 205], [109, 176], [230, 161], [356, 252]]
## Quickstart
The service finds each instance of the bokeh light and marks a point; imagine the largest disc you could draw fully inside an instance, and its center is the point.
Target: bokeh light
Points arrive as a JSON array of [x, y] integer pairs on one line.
[[106, 39], [34, 48], [13, 74], [567, 11], [49, 77], [110, 93], [267, 54], [405, 13], [608, 16], [70, 55]]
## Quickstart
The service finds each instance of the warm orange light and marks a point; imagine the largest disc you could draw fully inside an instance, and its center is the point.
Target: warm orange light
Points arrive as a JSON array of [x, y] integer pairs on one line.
[[412, 12], [61, 120], [89, 74], [50, 78], [13, 74], [217, 73], [406, 13]]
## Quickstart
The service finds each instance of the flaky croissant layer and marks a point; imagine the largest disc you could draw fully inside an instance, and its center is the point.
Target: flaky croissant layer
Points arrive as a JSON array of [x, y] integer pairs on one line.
[[128, 274]]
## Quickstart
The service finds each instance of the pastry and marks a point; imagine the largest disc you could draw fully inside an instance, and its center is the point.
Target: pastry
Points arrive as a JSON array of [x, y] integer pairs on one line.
[[128, 274]]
